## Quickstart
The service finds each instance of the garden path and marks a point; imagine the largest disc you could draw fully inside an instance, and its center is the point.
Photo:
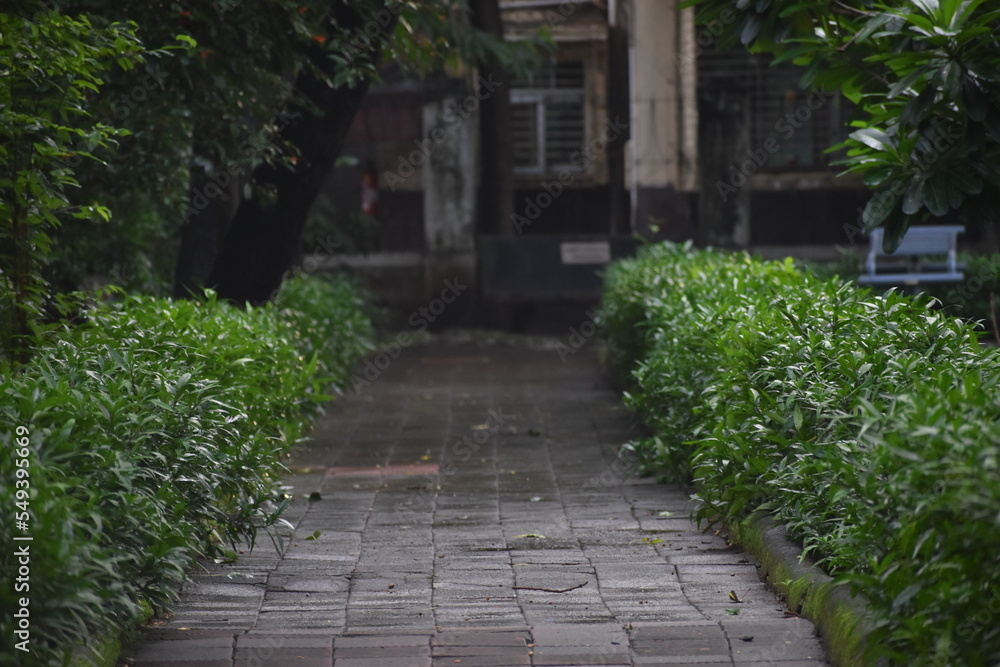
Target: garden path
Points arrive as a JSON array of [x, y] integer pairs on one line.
[[468, 508]]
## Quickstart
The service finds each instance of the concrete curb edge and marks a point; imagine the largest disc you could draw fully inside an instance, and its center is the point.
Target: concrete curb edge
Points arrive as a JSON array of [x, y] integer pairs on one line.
[[841, 619], [107, 649]]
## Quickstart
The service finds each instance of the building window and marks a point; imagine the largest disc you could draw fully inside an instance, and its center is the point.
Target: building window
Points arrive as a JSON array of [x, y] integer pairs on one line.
[[548, 119], [801, 123]]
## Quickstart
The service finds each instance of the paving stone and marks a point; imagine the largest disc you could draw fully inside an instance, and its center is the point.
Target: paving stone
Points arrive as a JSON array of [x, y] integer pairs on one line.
[[478, 651], [431, 513], [676, 647], [516, 639], [283, 656], [381, 640], [309, 583], [552, 659], [484, 661], [296, 620], [787, 627], [606, 635], [776, 651], [167, 633], [180, 662], [382, 652], [180, 651], [263, 639], [382, 662]]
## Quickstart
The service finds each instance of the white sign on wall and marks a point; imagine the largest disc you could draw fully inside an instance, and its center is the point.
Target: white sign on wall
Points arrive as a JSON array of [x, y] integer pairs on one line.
[[586, 252]]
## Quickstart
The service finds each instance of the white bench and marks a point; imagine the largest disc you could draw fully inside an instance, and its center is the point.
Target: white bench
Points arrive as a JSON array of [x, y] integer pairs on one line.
[[918, 243]]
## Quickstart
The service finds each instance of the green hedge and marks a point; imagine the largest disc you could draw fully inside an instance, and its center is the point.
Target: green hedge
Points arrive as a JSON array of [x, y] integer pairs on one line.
[[869, 425], [156, 431], [974, 299]]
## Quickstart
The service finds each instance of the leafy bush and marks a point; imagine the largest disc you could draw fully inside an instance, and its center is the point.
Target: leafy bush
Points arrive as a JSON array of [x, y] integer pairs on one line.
[[971, 299], [974, 299], [869, 425], [50, 64], [156, 430]]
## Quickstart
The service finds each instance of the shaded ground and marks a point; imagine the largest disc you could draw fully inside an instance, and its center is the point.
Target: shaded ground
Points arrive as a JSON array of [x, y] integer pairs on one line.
[[472, 511]]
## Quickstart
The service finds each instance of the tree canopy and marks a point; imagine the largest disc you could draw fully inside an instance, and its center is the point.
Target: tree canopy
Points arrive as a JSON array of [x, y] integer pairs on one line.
[[925, 77], [224, 115]]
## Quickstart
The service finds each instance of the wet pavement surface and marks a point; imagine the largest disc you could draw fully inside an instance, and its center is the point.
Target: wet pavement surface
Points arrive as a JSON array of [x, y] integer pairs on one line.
[[469, 508]]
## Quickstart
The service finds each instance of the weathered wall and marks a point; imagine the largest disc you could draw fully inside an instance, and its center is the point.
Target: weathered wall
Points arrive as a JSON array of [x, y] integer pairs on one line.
[[450, 187]]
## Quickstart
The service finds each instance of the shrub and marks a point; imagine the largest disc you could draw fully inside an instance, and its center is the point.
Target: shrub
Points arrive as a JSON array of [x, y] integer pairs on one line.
[[867, 424], [974, 299], [50, 65], [156, 431]]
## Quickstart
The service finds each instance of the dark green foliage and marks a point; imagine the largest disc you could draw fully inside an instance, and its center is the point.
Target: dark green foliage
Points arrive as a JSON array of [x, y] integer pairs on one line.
[[869, 425], [49, 66], [925, 78], [157, 430], [197, 100], [974, 299]]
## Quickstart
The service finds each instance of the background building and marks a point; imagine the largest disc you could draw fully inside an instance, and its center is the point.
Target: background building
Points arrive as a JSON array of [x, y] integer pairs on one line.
[[638, 126]]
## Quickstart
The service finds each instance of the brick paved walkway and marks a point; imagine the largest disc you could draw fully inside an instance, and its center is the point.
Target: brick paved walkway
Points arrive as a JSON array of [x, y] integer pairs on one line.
[[471, 512]]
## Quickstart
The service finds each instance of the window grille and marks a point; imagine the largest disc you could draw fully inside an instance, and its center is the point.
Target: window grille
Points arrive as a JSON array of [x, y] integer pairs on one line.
[[803, 123], [548, 121]]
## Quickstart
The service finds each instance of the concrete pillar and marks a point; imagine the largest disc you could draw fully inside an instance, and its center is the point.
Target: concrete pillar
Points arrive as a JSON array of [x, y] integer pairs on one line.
[[450, 141], [664, 118], [451, 127]]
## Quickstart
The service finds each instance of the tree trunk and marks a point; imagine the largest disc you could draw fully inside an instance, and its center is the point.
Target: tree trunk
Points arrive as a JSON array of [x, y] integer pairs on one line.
[[263, 238], [496, 195], [205, 222]]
